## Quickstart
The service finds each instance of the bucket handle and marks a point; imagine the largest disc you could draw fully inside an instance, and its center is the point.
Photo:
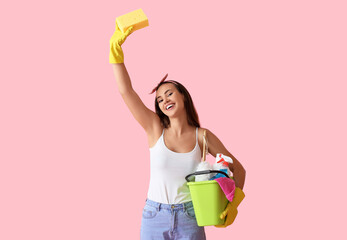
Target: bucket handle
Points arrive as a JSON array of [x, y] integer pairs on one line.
[[204, 172]]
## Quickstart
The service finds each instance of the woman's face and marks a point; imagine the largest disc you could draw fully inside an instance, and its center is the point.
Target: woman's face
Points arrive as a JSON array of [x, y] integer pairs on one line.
[[170, 100]]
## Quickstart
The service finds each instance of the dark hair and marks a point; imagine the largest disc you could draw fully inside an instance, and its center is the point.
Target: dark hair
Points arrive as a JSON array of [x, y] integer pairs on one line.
[[193, 118]]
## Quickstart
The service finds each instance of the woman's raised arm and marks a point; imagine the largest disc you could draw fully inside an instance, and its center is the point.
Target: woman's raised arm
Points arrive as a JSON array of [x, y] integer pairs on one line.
[[143, 115]]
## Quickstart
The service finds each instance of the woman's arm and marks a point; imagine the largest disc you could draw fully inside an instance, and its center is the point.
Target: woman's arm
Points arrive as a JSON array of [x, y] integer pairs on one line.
[[216, 146], [147, 118], [122, 78], [143, 115]]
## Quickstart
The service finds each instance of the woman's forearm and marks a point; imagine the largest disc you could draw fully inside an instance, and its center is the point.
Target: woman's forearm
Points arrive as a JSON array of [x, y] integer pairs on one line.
[[122, 77], [239, 178], [239, 175]]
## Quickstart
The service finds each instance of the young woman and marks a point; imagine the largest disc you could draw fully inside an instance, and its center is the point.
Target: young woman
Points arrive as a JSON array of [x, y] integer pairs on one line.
[[175, 139]]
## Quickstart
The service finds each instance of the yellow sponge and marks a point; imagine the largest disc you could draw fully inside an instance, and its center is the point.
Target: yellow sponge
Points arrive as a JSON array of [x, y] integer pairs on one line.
[[135, 18]]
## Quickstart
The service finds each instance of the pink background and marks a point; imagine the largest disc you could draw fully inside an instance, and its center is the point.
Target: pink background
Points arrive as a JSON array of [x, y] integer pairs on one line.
[[267, 77]]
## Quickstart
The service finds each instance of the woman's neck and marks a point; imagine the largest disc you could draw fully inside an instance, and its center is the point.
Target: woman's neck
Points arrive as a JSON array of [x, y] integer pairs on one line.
[[179, 126]]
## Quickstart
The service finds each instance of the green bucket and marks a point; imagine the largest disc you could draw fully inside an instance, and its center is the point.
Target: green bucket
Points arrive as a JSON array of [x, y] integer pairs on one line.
[[208, 199]]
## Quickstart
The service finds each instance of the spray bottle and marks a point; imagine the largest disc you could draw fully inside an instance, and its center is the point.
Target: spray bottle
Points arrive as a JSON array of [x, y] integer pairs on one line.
[[222, 164]]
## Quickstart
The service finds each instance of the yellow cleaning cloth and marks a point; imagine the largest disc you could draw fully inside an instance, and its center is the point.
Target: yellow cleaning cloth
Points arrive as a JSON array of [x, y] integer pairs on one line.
[[230, 211]]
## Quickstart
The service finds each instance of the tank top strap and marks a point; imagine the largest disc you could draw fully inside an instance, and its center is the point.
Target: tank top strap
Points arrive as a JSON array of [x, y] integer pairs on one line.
[[197, 135]]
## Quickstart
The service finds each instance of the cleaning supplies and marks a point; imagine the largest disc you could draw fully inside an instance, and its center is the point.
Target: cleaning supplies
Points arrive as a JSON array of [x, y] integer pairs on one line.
[[125, 25], [228, 187], [203, 166], [208, 198], [230, 212], [222, 164], [116, 53], [136, 19]]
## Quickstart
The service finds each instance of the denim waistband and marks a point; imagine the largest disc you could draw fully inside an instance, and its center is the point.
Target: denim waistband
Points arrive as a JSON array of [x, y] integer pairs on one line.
[[159, 206]]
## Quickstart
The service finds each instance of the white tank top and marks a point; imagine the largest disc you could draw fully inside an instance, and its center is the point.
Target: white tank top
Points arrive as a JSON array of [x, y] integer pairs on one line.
[[168, 169]]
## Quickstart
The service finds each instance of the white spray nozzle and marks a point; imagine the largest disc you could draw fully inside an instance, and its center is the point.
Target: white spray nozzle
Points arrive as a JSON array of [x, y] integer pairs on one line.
[[221, 157]]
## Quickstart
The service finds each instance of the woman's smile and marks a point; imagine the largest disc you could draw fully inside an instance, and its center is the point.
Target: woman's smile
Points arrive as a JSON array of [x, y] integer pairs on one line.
[[169, 106]]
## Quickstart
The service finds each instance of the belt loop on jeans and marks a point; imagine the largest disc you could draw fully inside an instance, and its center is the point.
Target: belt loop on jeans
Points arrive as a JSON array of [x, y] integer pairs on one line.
[[158, 208]]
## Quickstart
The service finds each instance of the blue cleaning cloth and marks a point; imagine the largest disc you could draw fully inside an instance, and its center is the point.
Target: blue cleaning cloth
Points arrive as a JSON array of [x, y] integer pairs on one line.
[[218, 175]]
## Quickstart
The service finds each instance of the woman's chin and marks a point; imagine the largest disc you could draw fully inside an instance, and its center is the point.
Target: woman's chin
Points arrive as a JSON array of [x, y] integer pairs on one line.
[[173, 114]]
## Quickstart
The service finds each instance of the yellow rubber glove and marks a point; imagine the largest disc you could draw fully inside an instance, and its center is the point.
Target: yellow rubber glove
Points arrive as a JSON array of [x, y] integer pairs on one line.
[[230, 211], [117, 39]]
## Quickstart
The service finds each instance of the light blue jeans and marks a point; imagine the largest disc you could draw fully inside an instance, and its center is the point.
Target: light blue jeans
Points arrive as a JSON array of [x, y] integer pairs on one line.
[[170, 222]]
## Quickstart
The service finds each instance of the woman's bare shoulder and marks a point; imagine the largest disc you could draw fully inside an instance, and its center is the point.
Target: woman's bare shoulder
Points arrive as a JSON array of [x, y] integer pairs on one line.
[[201, 132]]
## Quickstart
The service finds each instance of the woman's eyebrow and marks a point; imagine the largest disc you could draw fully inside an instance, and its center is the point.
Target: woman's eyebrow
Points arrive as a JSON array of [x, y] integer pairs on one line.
[[164, 93]]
